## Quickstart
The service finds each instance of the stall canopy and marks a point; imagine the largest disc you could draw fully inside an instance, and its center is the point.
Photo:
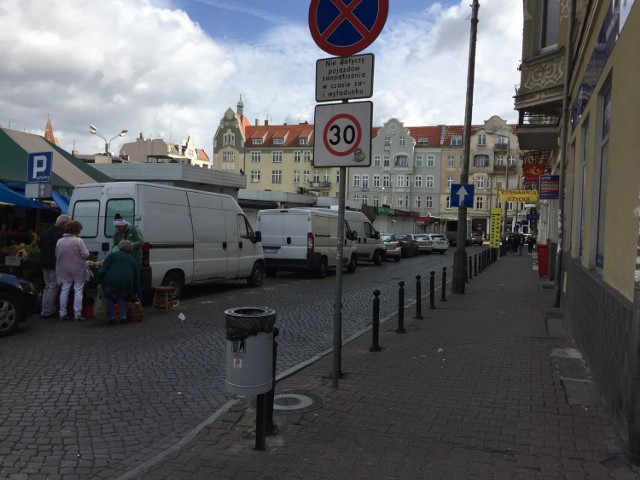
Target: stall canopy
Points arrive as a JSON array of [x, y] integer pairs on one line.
[[67, 171], [10, 197]]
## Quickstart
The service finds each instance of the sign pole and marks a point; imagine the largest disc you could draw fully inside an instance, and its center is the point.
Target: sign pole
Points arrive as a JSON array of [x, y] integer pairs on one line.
[[337, 306]]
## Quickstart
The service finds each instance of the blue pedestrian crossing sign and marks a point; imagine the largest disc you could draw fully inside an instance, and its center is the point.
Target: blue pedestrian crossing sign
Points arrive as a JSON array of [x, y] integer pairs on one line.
[[462, 195]]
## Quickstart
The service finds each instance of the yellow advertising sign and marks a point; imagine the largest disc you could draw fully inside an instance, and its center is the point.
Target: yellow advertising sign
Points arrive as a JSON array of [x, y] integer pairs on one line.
[[526, 196], [496, 216]]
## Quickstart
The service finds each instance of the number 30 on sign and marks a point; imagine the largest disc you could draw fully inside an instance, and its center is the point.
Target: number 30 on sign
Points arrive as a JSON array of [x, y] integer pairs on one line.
[[342, 135]]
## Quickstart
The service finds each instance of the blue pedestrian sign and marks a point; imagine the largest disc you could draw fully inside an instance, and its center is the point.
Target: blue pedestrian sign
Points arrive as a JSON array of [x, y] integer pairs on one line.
[[39, 167], [346, 27], [462, 195]]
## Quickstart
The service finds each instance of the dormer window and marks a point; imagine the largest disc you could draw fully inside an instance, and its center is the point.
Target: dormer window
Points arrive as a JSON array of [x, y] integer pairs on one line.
[[278, 141], [422, 141], [303, 141], [456, 140], [256, 141]]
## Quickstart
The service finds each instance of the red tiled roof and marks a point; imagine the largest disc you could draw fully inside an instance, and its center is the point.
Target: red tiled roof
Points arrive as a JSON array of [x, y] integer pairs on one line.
[[291, 134]]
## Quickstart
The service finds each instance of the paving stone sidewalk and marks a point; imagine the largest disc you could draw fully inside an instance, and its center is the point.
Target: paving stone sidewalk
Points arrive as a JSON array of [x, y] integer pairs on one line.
[[474, 390]]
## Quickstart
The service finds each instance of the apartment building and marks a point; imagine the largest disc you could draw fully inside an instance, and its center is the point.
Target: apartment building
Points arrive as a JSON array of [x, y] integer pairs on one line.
[[577, 115]]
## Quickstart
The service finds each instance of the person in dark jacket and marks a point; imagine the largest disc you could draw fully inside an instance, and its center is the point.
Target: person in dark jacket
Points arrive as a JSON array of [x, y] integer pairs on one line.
[[117, 277], [126, 231], [47, 245]]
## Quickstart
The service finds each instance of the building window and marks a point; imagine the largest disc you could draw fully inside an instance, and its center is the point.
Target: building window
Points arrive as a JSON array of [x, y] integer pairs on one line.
[[400, 181], [402, 141], [431, 160], [256, 156], [316, 176], [276, 157], [256, 141], [338, 177], [429, 201], [376, 200], [365, 181], [448, 202], [387, 160], [376, 181], [356, 198], [377, 160], [302, 141], [499, 161], [326, 176], [550, 22], [364, 199], [401, 161], [512, 160], [278, 141], [479, 203], [387, 141], [276, 176], [419, 160], [456, 140], [481, 161], [307, 156], [418, 202], [480, 181], [451, 161], [449, 182], [255, 176], [429, 181], [228, 157], [386, 181], [482, 139], [228, 139], [605, 120], [417, 181], [356, 180], [305, 176], [296, 176], [401, 200], [297, 155]]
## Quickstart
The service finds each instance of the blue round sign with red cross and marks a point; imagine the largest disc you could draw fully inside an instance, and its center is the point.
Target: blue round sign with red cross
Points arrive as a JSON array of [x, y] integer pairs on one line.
[[346, 27]]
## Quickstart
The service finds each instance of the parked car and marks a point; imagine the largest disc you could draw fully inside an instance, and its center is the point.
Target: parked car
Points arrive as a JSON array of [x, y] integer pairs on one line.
[[409, 246], [439, 242], [19, 299], [394, 249], [423, 240], [477, 238]]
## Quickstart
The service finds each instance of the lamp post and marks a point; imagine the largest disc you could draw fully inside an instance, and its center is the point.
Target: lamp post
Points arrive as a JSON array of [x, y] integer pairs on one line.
[[107, 143], [506, 185]]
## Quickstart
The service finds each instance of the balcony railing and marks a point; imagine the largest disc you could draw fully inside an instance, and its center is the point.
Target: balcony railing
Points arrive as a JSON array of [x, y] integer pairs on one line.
[[501, 146], [320, 185], [501, 168]]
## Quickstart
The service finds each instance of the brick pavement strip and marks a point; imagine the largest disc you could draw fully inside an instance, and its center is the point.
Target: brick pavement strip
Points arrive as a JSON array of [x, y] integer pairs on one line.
[[470, 391]]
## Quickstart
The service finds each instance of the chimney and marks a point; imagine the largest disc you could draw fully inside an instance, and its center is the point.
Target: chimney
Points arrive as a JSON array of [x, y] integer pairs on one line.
[[257, 122], [266, 122]]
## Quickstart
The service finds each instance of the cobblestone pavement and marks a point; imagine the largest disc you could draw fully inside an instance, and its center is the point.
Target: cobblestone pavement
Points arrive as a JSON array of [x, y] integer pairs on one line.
[[472, 391], [87, 400]]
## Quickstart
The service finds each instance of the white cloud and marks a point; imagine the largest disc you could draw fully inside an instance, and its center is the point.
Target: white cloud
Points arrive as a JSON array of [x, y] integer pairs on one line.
[[143, 66]]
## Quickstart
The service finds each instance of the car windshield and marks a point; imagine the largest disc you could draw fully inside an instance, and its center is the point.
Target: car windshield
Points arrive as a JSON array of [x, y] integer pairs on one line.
[[387, 238], [438, 237]]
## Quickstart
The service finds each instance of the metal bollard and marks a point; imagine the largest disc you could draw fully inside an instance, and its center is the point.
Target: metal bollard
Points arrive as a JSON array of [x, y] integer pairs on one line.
[[375, 329], [400, 328], [418, 298], [272, 428], [444, 284], [470, 268], [432, 289], [475, 265]]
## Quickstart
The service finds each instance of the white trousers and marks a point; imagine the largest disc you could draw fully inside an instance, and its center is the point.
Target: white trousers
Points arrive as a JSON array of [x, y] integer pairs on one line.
[[78, 290]]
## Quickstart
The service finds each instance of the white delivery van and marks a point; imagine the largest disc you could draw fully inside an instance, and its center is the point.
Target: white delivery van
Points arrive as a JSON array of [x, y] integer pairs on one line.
[[303, 239], [190, 236], [370, 247]]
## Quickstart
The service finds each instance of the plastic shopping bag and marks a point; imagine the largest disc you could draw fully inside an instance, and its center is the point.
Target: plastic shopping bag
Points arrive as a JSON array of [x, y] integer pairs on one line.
[[99, 306]]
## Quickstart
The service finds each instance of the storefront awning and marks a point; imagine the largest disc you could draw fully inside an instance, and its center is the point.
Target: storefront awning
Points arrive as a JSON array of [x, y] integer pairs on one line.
[[8, 196]]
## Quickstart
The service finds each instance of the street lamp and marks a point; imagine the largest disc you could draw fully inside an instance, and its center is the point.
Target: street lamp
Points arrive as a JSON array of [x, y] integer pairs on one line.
[[107, 143]]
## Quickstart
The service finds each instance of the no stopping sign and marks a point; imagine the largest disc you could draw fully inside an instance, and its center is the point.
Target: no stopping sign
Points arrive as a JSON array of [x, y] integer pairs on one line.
[[342, 135]]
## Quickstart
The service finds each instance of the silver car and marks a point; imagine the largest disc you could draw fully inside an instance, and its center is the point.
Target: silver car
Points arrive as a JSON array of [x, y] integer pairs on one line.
[[394, 249], [439, 242], [423, 240]]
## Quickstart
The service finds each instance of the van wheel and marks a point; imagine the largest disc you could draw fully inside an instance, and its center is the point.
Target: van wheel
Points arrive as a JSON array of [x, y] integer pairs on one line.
[[175, 280], [321, 272], [377, 257], [257, 275], [353, 264]]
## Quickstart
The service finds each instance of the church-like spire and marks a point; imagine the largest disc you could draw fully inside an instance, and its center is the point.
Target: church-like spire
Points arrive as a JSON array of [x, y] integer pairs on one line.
[[240, 107], [48, 132]]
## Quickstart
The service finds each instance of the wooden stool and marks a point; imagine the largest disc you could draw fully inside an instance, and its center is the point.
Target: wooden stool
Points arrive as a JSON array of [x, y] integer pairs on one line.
[[163, 297]]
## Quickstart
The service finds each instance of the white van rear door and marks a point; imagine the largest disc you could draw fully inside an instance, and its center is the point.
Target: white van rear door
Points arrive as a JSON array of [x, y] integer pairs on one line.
[[209, 236]]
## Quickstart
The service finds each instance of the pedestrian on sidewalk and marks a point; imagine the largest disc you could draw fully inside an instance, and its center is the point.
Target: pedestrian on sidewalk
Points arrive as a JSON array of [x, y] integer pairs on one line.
[[72, 269], [47, 244]]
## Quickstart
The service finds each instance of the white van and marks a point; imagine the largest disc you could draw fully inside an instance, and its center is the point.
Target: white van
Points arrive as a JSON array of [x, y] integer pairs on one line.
[[370, 247], [190, 236], [303, 239]]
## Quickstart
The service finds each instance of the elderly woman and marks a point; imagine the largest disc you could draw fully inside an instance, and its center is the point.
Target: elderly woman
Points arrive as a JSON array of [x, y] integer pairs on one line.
[[117, 277], [71, 268]]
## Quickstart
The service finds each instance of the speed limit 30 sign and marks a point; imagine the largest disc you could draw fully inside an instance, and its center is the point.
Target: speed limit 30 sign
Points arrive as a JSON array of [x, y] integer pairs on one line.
[[342, 135]]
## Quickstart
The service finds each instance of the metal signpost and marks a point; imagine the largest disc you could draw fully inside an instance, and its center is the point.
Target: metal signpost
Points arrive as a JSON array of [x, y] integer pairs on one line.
[[342, 132]]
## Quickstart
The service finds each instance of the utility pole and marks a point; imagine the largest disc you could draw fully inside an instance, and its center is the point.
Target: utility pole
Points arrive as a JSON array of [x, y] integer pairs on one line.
[[460, 255]]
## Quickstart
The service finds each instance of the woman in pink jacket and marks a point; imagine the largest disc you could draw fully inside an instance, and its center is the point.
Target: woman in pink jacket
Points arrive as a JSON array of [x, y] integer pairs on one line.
[[71, 268]]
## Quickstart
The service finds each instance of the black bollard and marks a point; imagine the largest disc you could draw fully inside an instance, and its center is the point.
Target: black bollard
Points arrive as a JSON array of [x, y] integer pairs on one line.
[[475, 265], [272, 428], [261, 420], [418, 299], [375, 329], [400, 328], [432, 289], [444, 284]]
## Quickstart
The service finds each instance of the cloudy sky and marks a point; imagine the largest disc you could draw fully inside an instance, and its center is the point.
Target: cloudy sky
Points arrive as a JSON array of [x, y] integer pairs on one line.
[[170, 68]]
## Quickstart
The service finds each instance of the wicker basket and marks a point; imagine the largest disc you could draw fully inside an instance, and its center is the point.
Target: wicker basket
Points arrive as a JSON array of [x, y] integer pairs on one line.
[[135, 312]]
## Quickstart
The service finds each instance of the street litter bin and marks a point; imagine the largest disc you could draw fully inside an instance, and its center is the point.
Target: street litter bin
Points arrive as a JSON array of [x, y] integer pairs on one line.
[[249, 350], [543, 259]]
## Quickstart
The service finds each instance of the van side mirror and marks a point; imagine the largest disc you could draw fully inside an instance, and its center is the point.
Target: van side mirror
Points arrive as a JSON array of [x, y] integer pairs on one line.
[[376, 235], [353, 235], [257, 237]]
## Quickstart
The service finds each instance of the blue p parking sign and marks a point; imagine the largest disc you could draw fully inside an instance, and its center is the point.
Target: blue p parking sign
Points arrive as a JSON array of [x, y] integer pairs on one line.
[[39, 167]]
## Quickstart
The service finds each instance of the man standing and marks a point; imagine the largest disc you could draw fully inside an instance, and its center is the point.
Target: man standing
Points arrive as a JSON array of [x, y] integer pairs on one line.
[[126, 231], [47, 245]]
